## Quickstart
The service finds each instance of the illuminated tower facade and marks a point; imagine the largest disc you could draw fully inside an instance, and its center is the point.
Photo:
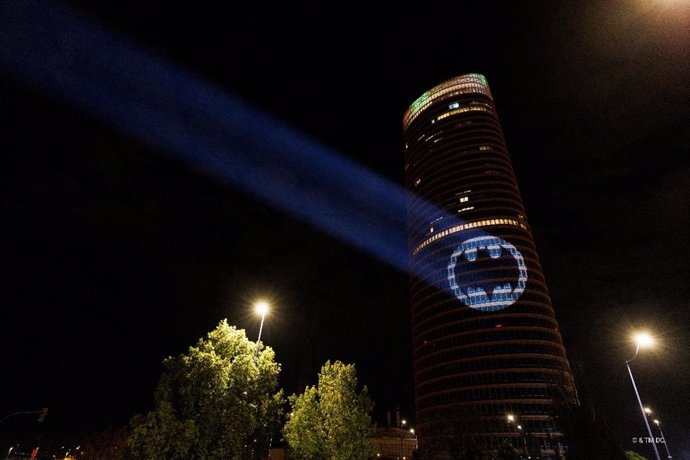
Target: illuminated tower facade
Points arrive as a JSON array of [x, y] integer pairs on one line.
[[489, 361]]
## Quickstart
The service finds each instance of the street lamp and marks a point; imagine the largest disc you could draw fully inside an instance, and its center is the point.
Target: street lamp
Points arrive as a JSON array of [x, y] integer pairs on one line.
[[524, 439], [412, 432], [658, 425], [511, 419], [517, 428], [642, 340], [261, 308]]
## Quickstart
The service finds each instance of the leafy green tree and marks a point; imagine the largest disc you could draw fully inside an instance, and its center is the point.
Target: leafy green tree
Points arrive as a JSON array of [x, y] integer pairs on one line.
[[331, 421], [219, 400], [631, 455]]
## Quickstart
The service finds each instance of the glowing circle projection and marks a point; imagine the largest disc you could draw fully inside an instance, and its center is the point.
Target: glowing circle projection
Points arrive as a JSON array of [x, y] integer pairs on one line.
[[479, 281]]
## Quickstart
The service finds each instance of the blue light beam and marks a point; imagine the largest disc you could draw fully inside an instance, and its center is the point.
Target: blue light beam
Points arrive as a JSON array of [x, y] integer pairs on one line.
[[63, 53]]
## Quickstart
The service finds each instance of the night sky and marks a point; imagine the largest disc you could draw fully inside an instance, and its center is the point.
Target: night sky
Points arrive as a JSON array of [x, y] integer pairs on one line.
[[114, 255]]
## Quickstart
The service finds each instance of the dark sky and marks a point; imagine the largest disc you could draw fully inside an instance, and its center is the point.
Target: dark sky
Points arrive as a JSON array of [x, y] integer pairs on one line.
[[113, 255]]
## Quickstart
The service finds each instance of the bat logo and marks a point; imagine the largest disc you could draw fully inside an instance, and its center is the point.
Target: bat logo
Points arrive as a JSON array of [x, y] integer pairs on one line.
[[478, 287]]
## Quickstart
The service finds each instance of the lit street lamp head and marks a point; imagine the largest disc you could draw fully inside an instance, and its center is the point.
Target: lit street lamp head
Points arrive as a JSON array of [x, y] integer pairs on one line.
[[656, 421], [511, 418], [643, 339], [261, 307]]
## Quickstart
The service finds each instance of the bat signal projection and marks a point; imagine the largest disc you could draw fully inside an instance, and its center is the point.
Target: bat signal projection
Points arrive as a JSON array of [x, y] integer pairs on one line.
[[482, 286]]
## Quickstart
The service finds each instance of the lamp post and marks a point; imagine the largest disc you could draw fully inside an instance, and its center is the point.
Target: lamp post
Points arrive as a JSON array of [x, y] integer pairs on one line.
[[517, 428], [658, 425], [642, 340], [261, 308], [412, 432], [524, 440], [511, 419], [403, 435]]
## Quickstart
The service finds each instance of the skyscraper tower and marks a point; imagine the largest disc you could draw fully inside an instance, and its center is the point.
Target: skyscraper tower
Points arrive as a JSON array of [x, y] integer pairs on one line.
[[489, 361]]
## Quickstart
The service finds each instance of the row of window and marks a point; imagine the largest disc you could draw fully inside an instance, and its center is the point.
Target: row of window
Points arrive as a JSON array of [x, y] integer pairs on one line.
[[551, 377], [427, 302], [419, 218], [501, 200], [472, 410], [548, 442], [443, 338], [429, 327], [467, 226], [436, 368], [484, 125], [449, 396], [461, 160], [458, 322], [470, 351], [481, 129], [471, 108], [535, 362], [464, 171]]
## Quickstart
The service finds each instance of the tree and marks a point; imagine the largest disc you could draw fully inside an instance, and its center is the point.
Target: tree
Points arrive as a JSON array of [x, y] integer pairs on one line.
[[331, 421], [632, 455], [219, 400]]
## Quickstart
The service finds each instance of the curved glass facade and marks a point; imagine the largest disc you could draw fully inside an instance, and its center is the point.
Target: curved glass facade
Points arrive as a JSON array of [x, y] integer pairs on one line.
[[485, 339]]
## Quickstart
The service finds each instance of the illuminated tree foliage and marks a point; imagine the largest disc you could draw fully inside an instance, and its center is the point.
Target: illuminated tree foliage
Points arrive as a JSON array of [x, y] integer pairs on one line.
[[219, 400], [331, 421], [632, 455]]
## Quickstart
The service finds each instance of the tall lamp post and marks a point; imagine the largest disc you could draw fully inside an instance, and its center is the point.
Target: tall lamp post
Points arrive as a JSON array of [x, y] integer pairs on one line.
[[517, 428], [642, 340], [511, 422], [658, 425], [412, 432], [261, 308]]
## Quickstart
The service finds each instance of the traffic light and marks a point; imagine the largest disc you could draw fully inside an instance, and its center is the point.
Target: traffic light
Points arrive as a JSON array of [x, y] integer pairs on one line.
[[44, 413]]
